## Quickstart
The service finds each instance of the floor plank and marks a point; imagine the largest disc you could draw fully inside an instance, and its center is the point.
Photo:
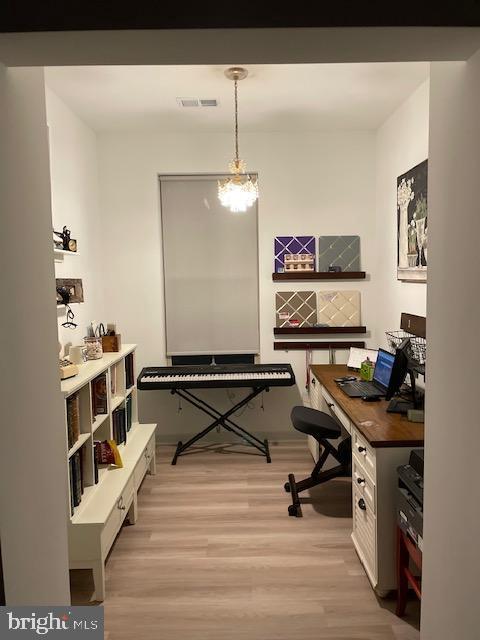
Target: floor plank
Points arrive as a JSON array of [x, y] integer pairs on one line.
[[214, 556]]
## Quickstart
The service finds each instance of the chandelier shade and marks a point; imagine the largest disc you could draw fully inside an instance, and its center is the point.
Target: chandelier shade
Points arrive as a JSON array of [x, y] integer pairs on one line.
[[239, 191]]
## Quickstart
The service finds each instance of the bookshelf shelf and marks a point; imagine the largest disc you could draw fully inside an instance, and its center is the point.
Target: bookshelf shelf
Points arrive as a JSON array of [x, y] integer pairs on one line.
[[116, 402], [298, 276], [102, 497], [99, 420], [79, 443]]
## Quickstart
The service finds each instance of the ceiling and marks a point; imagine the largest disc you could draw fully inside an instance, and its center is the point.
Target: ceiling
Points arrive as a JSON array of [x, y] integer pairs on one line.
[[302, 97]]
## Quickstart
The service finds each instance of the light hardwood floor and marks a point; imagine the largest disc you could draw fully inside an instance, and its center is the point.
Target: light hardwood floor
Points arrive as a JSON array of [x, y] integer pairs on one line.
[[214, 556]]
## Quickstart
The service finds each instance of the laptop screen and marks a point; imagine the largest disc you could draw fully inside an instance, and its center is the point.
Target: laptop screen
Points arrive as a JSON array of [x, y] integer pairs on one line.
[[383, 368]]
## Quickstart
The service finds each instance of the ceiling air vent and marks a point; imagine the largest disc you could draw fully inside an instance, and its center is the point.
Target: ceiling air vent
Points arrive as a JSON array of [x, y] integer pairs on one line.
[[196, 102], [187, 102]]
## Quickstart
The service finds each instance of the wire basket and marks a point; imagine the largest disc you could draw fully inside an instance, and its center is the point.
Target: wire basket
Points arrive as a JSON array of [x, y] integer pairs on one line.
[[418, 346]]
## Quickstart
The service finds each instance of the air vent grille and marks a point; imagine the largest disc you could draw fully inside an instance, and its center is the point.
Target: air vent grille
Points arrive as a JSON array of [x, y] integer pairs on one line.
[[197, 102], [187, 102]]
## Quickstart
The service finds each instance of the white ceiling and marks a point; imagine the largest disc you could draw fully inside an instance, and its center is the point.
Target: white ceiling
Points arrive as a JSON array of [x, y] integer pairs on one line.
[[303, 97]]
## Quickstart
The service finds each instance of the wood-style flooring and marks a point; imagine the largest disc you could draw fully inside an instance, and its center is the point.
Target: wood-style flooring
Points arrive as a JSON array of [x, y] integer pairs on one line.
[[215, 556]]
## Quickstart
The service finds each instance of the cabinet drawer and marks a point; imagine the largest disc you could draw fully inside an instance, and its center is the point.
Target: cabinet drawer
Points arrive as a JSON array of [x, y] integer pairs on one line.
[[364, 454], [363, 484], [117, 515], [110, 529], [143, 462], [365, 534], [335, 410], [314, 393]]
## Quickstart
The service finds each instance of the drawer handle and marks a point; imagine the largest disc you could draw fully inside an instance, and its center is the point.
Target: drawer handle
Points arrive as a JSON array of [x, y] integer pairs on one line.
[[120, 504], [361, 449], [313, 381], [330, 405], [362, 505], [361, 481]]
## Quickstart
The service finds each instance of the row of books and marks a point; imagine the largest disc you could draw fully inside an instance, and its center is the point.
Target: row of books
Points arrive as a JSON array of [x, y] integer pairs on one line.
[[119, 425], [73, 419], [76, 479], [129, 372]]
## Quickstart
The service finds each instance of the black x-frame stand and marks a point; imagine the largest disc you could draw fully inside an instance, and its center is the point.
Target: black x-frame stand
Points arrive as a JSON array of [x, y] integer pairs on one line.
[[223, 420]]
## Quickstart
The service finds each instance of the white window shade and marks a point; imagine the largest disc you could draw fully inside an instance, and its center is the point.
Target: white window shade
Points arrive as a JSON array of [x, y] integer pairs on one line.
[[210, 258]]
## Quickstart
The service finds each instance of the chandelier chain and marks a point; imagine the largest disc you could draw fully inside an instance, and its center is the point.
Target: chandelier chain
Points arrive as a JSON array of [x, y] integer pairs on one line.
[[236, 121]]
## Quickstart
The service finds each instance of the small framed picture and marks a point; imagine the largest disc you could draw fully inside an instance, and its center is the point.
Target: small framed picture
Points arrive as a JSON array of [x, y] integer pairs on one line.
[[74, 287]]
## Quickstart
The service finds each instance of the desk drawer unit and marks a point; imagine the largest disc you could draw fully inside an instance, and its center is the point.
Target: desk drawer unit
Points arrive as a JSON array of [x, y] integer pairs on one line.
[[315, 394], [365, 534], [330, 406], [364, 455], [363, 484]]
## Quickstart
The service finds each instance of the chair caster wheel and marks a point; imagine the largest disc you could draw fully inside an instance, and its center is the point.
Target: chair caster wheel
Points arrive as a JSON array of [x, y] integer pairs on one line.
[[286, 486], [294, 510]]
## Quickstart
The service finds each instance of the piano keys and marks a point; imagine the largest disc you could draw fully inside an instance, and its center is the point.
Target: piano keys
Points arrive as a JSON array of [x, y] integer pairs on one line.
[[216, 376]]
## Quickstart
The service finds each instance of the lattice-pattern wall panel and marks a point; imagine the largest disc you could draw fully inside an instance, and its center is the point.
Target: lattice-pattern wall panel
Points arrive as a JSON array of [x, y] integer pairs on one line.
[[339, 251], [296, 308], [339, 308], [291, 244]]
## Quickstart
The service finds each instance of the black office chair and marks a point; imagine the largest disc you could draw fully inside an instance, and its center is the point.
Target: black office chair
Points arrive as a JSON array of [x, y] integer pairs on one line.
[[323, 428]]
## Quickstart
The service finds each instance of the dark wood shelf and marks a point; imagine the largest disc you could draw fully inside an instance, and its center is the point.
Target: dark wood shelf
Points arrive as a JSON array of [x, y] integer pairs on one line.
[[295, 276], [303, 345], [301, 331]]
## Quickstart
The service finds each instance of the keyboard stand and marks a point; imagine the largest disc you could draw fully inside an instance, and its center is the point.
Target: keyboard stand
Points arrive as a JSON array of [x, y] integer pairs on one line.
[[222, 419]]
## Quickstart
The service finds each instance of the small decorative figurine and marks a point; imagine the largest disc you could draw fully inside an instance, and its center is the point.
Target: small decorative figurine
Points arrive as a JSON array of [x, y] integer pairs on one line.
[[66, 242]]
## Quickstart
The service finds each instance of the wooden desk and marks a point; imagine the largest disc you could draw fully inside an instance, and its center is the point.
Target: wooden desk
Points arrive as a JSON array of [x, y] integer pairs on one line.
[[381, 442], [386, 430]]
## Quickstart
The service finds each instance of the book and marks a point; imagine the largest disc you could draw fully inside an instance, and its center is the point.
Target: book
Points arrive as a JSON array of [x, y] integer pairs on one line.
[[73, 419], [129, 371], [119, 425], [99, 395], [128, 412], [95, 469], [70, 477]]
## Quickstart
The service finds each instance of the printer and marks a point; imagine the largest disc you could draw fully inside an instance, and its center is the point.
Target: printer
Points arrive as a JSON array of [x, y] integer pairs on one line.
[[410, 497]]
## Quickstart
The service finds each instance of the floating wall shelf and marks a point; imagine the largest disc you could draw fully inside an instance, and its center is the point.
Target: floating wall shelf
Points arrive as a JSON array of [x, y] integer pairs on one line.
[[286, 331], [296, 276], [64, 252], [315, 346]]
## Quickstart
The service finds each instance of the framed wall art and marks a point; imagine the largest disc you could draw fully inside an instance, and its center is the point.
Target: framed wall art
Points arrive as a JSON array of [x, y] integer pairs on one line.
[[412, 221]]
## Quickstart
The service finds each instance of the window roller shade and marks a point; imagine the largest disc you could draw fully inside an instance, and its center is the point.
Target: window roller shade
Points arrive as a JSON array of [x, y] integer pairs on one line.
[[210, 258]]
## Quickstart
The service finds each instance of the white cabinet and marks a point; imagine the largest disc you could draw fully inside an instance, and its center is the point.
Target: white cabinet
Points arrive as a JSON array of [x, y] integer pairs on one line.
[[374, 495], [110, 498]]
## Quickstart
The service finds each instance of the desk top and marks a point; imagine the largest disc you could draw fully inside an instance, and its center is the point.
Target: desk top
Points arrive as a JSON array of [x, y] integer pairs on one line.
[[387, 430]]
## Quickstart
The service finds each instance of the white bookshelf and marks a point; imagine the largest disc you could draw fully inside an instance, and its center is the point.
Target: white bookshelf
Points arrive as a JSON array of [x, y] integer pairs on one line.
[[107, 503]]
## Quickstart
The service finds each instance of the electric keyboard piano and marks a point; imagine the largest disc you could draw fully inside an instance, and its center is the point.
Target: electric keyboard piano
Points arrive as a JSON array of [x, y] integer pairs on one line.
[[180, 379], [216, 376]]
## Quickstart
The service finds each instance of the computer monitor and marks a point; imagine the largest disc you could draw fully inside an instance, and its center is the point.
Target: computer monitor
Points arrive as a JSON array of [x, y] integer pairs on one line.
[[401, 366], [383, 369], [399, 370]]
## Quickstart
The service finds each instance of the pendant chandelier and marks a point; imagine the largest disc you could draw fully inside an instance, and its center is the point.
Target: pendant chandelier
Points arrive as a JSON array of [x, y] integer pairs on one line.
[[239, 191]]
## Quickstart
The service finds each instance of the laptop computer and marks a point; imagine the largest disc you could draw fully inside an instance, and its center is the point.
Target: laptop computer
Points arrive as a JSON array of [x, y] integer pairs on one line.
[[381, 378]]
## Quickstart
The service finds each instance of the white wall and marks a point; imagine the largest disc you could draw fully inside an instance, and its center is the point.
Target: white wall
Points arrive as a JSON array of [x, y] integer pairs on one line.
[[74, 178], [451, 566], [33, 448], [310, 184], [401, 143]]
